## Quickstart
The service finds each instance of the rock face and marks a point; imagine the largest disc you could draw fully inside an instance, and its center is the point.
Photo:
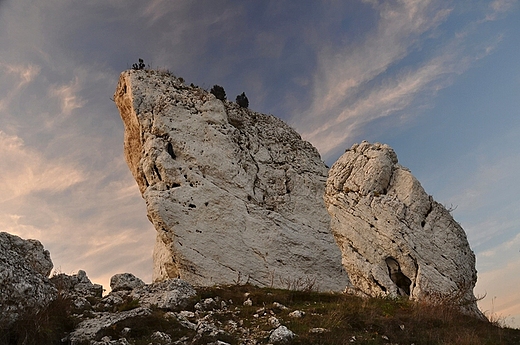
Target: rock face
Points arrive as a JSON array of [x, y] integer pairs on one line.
[[24, 284], [395, 239], [117, 307], [234, 195], [125, 281]]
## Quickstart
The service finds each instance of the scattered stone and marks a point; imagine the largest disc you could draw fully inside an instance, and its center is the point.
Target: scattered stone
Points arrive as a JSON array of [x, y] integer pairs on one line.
[[186, 313], [274, 322], [125, 281], [205, 305], [90, 328], [161, 338], [248, 302], [184, 322], [76, 285], [318, 330], [297, 314], [280, 306], [173, 294], [281, 335]]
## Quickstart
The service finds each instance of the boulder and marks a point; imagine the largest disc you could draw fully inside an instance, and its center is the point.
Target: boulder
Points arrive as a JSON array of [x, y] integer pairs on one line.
[[93, 329], [235, 196], [395, 239], [76, 285], [172, 294], [125, 281], [281, 335], [78, 289], [24, 285]]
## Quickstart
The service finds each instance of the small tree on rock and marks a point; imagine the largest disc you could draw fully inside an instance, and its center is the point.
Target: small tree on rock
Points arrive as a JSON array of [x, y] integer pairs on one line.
[[139, 66], [242, 100], [219, 92]]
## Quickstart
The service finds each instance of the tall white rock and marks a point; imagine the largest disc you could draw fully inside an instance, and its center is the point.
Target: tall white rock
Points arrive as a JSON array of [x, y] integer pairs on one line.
[[395, 239], [233, 194]]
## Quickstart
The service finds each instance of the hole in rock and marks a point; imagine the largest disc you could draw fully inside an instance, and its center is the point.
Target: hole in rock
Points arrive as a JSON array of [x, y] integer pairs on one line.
[[394, 270], [169, 149]]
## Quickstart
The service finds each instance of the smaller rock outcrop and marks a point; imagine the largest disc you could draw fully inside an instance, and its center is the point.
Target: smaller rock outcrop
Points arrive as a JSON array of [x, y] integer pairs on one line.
[[395, 239], [130, 304], [24, 284], [125, 281], [78, 289]]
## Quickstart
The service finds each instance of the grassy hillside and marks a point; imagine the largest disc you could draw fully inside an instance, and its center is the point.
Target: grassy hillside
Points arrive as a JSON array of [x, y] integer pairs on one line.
[[220, 314]]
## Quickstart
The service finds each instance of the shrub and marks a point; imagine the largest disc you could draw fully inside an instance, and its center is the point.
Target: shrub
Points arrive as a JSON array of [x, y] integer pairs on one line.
[[242, 100], [139, 66], [219, 92]]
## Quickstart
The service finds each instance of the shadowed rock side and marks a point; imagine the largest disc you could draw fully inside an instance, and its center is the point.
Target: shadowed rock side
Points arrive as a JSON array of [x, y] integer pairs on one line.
[[234, 195], [24, 285], [395, 239]]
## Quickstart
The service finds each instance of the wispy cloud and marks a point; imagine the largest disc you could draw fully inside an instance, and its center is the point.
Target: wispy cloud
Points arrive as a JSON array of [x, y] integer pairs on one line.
[[16, 77], [364, 83], [23, 171], [68, 96], [499, 7]]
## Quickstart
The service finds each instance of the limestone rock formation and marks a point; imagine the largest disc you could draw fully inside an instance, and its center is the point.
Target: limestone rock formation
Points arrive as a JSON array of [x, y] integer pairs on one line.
[[125, 281], [234, 195], [24, 285], [171, 295], [395, 239], [76, 285]]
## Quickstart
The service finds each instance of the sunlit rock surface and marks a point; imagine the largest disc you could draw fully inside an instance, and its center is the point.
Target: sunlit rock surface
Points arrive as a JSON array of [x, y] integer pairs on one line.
[[235, 196], [395, 239]]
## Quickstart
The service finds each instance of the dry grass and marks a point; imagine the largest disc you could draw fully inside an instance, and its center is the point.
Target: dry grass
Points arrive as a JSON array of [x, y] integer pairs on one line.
[[350, 319], [343, 319]]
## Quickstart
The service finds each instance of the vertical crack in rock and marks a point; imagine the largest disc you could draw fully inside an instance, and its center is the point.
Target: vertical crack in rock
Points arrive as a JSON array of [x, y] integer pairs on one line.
[[414, 248], [185, 147]]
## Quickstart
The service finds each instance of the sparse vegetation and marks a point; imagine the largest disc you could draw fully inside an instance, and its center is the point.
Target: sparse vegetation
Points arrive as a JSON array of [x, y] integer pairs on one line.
[[139, 66], [47, 326], [219, 92], [242, 100], [329, 318]]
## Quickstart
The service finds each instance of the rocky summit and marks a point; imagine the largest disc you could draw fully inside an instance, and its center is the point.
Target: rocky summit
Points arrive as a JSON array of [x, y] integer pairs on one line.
[[235, 196], [394, 238]]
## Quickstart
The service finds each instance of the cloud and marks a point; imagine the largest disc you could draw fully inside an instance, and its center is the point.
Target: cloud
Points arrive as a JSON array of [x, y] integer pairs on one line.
[[23, 171], [357, 85], [16, 77], [68, 96], [498, 7], [342, 75], [64, 178]]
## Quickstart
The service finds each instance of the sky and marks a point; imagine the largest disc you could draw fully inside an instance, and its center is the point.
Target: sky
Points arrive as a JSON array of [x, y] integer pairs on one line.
[[437, 80]]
